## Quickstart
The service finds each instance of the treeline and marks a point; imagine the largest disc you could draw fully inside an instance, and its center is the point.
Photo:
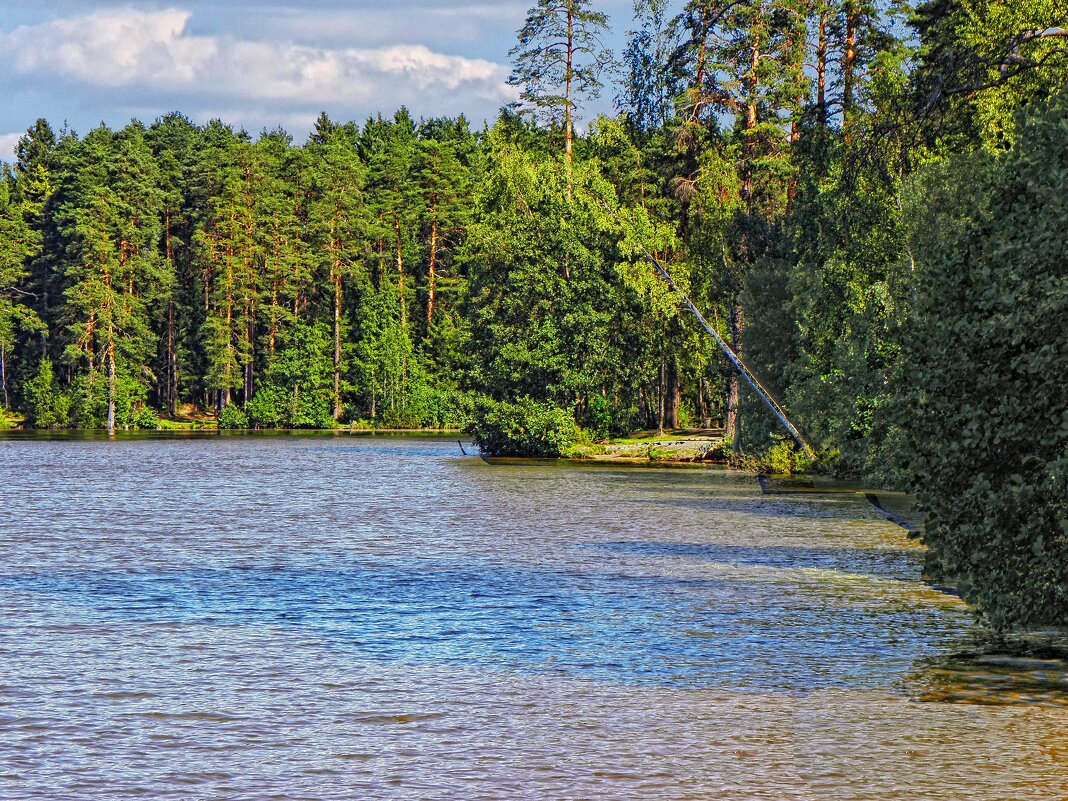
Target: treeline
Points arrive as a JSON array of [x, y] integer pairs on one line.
[[867, 199]]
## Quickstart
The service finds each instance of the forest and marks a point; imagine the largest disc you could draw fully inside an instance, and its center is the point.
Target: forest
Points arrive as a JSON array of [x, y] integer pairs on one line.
[[869, 200]]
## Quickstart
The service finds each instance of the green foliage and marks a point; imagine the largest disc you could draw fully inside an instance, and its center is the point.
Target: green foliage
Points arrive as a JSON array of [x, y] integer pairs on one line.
[[269, 407], [559, 59], [46, 405], [524, 428], [987, 357], [144, 417], [232, 417], [599, 420], [784, 458]]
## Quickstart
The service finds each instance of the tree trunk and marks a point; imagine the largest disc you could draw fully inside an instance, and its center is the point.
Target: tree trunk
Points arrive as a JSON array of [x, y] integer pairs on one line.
[[849, 62], [660, 399], [568, 75], [431, 281], [3, 375], [337, 343], [671, 395], [272, 333], [733, 398], [703, 404], [821, 69], [400, 272], [170, 391], [172, 364], [750, 127], [111, 387]]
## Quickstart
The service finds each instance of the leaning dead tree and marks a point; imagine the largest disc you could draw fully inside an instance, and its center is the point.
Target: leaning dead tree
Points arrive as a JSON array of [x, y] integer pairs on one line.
[[735, 360]]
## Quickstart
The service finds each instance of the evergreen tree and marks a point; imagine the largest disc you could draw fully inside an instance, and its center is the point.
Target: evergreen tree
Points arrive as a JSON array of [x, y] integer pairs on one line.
[[559, 60], [19, 244], [109, 221], [339, 227]]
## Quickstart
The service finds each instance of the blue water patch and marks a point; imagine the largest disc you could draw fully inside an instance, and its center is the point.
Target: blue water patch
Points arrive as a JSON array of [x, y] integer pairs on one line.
[[610, 626]]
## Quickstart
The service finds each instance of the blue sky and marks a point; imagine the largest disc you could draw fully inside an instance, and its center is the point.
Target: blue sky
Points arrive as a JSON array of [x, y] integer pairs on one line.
[[259, 63]]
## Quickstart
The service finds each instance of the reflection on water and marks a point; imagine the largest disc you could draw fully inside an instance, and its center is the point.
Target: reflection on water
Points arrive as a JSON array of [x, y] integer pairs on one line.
[[338, 618], [994, 673]]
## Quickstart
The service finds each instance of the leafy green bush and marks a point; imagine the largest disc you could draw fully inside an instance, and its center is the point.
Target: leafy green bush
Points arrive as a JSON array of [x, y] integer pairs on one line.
[[144, 417], [524, 428], [269, 407], [988, 357], [46, 405], [780, 458], [232, 416], [598, 418], [310, 409]]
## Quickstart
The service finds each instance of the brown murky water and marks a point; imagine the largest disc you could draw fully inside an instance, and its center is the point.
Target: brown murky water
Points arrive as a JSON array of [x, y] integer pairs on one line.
[[350, 618]]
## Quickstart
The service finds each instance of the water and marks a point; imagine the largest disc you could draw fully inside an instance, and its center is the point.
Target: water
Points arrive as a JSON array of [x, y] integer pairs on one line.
[[354, 618]]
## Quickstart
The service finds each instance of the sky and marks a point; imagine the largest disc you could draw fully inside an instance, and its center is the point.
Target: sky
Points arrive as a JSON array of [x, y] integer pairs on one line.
[[260, 64]]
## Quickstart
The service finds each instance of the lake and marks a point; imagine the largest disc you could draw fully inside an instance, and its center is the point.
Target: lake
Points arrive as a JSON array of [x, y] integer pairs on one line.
[[355, 617]]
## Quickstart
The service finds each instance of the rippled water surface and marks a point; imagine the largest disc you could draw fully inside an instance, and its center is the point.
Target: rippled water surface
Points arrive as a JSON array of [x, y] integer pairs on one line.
[[353, 618]]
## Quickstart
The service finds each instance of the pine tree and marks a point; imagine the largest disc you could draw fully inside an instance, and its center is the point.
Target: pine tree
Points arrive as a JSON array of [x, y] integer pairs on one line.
[[175, 142], [19, 244], [227, 260], [559, 60], [339, 227], [110, 223]]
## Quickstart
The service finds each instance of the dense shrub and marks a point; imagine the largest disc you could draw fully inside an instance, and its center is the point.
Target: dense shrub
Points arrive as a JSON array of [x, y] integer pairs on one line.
[[428, 406], [524, 428], [310, 409], [269, 407], [232, 416], [45, 404], [143, 417], [598, 418], [988, 360]]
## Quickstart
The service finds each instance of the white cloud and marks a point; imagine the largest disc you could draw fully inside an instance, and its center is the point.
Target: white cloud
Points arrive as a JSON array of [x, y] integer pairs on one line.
[[137, 55], [8, 143]]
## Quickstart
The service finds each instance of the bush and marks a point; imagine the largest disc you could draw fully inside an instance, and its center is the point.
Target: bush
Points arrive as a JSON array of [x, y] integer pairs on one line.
[[780, 458], [598, 418], [232, 416], [310, 410], [524, 428], [988, 357], [144, 417], [269, 407], [427, 406], [46, 405]]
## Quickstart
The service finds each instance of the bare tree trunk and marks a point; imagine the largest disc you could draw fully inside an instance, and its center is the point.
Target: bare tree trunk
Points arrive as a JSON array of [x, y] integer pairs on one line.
[[821, 68], [568, 75], [671, 395], [337, 343], [111, 386], [733, 397], [849, 62], [431, 281], [3, 375]]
